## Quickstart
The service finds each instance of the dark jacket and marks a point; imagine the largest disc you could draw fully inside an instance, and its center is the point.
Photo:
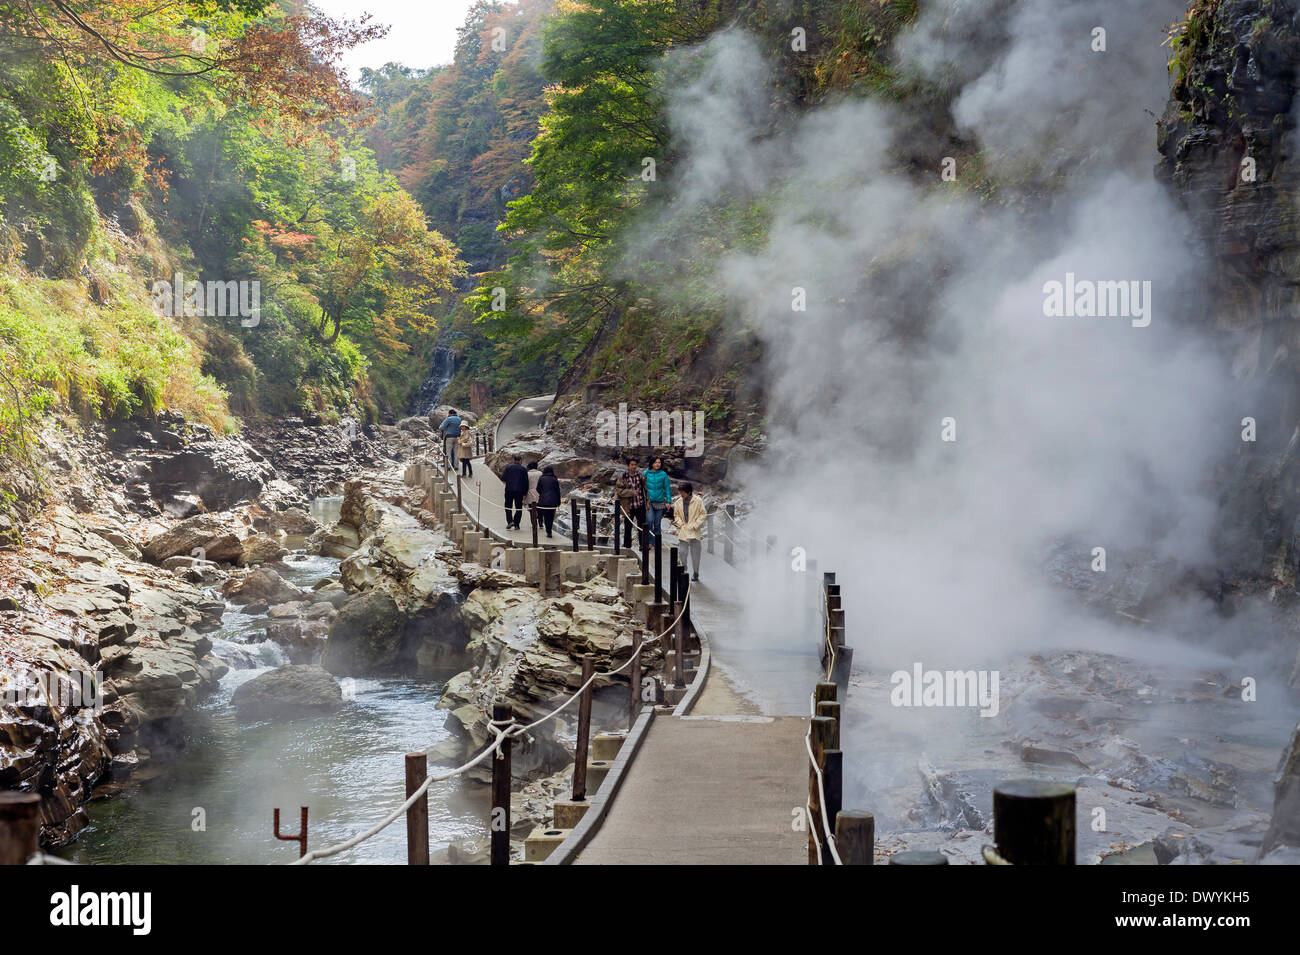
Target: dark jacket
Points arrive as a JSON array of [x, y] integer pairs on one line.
[[630, 489], [548, 489], [515, 478]]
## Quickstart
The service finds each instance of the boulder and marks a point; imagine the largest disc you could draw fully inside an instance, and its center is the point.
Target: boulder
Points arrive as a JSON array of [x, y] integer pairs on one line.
[[260, 549], [415, 425], [207, 536], [366, 637], [261, 586], [291, 690], [1284, 829]]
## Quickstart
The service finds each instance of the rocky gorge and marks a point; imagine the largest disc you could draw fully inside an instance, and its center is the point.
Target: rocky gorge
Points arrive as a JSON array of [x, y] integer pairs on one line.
[[154, 537]]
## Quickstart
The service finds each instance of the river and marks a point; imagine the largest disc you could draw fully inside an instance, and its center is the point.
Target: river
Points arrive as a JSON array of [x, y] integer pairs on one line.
[[212, 803]]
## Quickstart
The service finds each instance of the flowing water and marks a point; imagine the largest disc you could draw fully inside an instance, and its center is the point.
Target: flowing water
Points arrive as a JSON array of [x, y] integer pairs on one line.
[[213, 802], [440, 375]]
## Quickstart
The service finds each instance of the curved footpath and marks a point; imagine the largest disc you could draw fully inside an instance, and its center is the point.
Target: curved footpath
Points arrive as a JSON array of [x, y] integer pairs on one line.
[[722, 785]]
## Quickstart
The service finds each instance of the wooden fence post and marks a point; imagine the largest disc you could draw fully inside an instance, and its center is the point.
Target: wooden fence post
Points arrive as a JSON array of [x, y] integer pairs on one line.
[[833, 786], [500, 826], [584, 730], [460, 500], [591, 527], [855, 837], [618, 513], [728, 548], [821, 731], [708, 530], [634, 681], [20, 827], [417, 817], [532, 517], [573, 518], [659, 569], [1033, 822]]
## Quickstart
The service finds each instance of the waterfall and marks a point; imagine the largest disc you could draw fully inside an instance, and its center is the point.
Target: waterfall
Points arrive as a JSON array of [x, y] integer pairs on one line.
[[440, 373]]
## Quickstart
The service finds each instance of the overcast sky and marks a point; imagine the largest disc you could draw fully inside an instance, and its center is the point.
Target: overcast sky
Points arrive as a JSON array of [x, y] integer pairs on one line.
[[422, 32]]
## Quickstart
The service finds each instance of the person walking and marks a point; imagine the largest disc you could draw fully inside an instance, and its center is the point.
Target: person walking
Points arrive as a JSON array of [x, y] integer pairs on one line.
[[658, 494], [465, 447], [629, 491], [688, 513], [534, 475], [450, 428], [548, 497], [515, 478]]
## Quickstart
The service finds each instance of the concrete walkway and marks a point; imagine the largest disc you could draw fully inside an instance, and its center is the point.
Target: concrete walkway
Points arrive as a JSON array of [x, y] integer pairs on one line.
[[723, 785]]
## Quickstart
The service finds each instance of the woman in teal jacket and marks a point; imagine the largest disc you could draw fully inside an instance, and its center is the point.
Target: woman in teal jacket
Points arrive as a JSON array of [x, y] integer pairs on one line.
[[658, 493]]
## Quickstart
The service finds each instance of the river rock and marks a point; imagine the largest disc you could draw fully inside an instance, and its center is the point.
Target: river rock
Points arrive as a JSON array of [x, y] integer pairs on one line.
[[373, 634], [1284, 828], [259, 549], [291, 690], [261, 586], [211, 537]]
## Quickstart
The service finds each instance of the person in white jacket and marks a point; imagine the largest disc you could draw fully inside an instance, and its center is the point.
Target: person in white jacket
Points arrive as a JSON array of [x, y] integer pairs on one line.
[[688, 513]]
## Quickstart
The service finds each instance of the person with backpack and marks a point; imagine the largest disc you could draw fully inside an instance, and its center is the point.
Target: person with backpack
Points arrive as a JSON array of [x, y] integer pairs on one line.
[[515, 478], [658, 493], [629, 491], [548, 497], [450, 428], [465, 447]]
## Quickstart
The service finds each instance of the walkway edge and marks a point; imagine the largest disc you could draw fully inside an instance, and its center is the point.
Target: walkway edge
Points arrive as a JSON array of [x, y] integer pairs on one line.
[[569, 850], [577, 840]]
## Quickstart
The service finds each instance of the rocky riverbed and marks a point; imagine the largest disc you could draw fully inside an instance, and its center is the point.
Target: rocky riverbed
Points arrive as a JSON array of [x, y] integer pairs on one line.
[[207, 585]]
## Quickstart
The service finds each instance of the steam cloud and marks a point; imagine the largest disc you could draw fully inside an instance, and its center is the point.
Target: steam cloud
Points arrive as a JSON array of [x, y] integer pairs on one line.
[[924, 303]]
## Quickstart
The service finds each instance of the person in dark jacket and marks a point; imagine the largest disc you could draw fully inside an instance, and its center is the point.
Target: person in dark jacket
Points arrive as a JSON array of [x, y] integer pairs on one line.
[[515, 478], [548, 497], [629, 491]]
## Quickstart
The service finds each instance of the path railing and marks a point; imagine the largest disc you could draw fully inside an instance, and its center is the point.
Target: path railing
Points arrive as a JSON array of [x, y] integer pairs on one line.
[[1033, 819]]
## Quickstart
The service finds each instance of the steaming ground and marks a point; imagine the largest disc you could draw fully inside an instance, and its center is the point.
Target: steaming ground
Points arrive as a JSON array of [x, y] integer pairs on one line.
[[925, 314]]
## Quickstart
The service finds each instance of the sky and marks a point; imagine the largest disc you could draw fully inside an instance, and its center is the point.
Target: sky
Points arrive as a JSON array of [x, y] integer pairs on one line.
[[422, 34]]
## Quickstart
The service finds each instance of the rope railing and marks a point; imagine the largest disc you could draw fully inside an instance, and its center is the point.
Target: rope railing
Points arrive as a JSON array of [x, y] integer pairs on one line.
[[501, 731]]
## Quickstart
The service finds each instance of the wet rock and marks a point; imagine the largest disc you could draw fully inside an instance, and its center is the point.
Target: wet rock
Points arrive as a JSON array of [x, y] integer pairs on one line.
[[1284, 828], [289, 691]]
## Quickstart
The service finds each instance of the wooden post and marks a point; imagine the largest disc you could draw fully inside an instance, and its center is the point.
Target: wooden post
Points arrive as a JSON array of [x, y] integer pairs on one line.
[[1033, 822], [591, 527], [500, 824], [644, 533], [728, 548], [825, 692], [674, 583], [618, 515], [478, 508], [573, 515], [832, 709], [821, 733], [532, 517], [855, 837], [833, 787], [20, 827], [679, 628], [708, 530], [634, 681], [584, 730], [417, 817], [460, 500], [659, 569]]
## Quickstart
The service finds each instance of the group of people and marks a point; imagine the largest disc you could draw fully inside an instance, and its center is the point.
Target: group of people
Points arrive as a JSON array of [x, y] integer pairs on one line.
[[457, 442], [529, 486], [644, 496]]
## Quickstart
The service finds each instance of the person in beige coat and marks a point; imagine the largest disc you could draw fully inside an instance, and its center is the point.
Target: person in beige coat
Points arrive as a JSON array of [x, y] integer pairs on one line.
[[688, 513], [465, 451]]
